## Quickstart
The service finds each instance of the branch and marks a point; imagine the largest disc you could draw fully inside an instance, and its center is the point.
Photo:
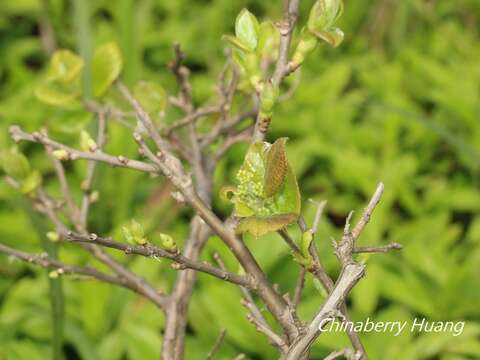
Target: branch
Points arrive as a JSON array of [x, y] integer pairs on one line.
[[19, 135], [152, 251], [350, 275], [44, 261], [346, 353], [377, 249], [217, 344]]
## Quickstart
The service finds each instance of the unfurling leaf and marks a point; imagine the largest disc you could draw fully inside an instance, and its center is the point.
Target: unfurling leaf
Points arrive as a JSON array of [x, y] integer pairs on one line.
[[268, 40], [275, 168], [65, 66], [258, 213], [86, 142], [269, 97], [237, 43], [14, 163], [133, 232], [168, 243], [61, 154], [106, 66], [31, 182], [151, 96], [258, 226], [324, 14], [333, 36], [247, 28]]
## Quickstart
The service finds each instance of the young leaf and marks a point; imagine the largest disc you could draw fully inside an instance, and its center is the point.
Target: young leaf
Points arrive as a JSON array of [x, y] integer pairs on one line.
[[106, 66], [268, 40], [323, 14], [275, 168], [14, 163], [56, 93], [236, 43], [31, 182], [258, 226], [333, 36], [65, 66], [246, 29], [151, 96]]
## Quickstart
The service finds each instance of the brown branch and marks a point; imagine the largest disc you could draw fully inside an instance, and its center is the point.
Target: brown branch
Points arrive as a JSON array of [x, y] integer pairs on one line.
[[346, 353], [73, 154], [152, 251], [299, 287], [43, 260]]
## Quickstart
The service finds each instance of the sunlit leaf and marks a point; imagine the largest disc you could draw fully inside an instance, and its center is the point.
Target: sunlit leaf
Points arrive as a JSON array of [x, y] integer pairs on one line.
[[65, 66], [57, 94], [246, 29], [106, 66]]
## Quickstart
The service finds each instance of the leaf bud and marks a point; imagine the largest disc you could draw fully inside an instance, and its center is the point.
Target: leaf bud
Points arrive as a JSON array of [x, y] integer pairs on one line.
[[168, 243], [86, 142], [61, 154], [133, 232], [14, 163]]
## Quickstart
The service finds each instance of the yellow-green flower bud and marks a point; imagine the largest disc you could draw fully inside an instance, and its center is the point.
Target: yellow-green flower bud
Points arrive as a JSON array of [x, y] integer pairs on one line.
[[61, 154], [86, 142], [14, 163], [53, 274], [133, 232], [168, 243], [53, 236]]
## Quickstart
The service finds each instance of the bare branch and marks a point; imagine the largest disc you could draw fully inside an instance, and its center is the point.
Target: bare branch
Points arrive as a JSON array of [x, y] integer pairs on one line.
[[152, 251], [367, 213], [377, 249], [217, 344]]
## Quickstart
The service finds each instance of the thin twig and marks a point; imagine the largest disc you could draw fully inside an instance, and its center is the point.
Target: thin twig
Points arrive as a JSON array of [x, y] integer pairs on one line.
[[217, 344]]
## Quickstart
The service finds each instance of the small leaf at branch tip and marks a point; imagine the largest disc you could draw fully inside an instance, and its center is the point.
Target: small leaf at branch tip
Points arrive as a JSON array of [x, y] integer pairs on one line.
[[247, 28], [86, 142], [52, 236]]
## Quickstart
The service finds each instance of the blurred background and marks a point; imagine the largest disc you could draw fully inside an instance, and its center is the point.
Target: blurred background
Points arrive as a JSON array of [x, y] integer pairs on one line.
[[398, 102]]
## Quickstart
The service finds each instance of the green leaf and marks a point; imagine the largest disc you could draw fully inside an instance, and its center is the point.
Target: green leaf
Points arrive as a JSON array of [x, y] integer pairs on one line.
[[14, 163], [236, 43], [332, 36], [276, 167], [258, 226], [56, 93], [31, 182], [65, 66], [151, 96], [261, 213], [106, 66], [323, 14], [268, 39], [247, 28]]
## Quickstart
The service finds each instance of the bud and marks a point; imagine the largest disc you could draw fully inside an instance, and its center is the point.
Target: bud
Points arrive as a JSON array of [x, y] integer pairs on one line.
[[323, 14], [168, 243], [269, 97], [53, 236], [61, 154], [53, 274], [133, 232], [307, 44], [14, 163], [93, 197], [31, 182], [86, 142]]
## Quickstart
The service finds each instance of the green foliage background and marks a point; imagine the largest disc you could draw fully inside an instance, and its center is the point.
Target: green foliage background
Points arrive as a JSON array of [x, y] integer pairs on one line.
[[399, 101]]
